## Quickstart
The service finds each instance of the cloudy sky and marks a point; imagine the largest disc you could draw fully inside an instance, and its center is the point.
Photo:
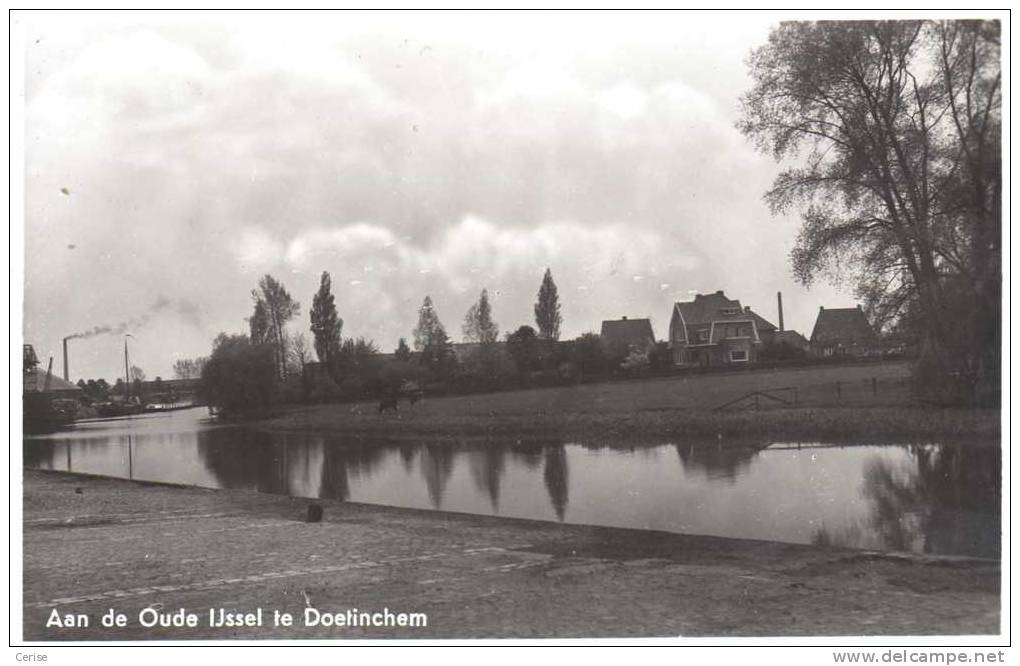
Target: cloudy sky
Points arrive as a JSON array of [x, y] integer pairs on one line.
[[173, 159]]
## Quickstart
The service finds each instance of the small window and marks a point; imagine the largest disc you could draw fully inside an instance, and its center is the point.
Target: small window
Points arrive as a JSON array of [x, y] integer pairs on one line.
[[702, 336], [738, 355]]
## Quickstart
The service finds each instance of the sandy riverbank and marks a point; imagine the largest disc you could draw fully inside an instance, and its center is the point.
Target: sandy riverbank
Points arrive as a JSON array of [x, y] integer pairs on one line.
[[92, 544]]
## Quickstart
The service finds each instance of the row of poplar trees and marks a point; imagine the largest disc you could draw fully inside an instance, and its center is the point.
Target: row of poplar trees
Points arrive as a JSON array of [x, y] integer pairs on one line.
[[273, 307]]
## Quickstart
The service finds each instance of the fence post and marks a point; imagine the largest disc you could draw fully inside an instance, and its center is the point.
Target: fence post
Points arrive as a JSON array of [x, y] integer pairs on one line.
[[839, 390]]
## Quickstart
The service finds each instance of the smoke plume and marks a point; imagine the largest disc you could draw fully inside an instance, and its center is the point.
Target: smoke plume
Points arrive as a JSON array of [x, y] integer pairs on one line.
[[188, 311]]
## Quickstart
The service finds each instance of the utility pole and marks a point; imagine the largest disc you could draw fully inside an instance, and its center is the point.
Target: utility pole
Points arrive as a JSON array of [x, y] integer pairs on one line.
[[127, 371]]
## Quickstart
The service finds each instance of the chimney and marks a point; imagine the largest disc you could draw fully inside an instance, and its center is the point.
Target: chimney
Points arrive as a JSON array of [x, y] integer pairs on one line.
[[66, 376], [624, 317], [779, 299]]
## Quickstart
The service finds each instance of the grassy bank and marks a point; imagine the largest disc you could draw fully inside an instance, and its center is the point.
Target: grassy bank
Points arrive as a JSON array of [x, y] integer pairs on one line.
[[855, 424], [864, 404]]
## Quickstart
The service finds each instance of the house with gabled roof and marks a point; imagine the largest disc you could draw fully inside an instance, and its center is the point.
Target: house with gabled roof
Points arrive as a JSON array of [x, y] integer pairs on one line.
[[843, 332], [716, 330], [622, 335]]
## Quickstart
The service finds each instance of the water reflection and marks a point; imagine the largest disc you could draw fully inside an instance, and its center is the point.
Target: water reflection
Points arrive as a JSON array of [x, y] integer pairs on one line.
[[436, 467], [938, 499], [717, 462], [943, 499], [555, 476], [487, 466]]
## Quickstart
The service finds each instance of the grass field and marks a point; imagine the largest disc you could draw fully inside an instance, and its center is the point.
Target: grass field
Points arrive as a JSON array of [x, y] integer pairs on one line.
[[868, 400]]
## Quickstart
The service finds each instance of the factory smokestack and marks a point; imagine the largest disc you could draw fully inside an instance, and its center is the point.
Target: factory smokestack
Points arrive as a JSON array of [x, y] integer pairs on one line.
[[66, 376], [779, 299]]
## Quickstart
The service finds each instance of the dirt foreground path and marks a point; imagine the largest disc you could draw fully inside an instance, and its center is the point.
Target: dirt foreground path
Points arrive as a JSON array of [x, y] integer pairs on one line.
[[92, 545]]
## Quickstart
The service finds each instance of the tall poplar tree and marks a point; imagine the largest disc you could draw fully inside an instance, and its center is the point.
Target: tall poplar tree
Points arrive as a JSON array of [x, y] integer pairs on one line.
[[547, 309], [326, 324]]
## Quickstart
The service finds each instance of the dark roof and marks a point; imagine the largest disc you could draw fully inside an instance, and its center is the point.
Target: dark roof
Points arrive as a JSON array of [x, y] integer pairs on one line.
[[763, 324], [845, 326], [34, 381], [791, 338], [627, 331], [708, 308]]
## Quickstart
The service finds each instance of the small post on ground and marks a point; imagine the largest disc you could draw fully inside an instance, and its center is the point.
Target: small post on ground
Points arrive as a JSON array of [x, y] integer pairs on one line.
[[839, 390]]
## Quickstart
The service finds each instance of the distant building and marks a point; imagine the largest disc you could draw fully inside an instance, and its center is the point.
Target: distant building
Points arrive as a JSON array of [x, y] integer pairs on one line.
[[843, 332], [793, 339], [621, 335], [37, 380], [48, 400], [715, 330]]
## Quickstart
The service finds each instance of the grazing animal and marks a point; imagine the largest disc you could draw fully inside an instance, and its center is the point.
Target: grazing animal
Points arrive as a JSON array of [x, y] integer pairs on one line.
[[387, 403]]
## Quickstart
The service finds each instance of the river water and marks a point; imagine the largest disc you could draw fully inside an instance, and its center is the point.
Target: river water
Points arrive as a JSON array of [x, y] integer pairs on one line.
[[931, 498]]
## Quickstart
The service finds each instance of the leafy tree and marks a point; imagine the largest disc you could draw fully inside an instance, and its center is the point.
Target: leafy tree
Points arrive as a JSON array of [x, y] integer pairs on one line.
[[547, 309], [189, 368], [274, 307], [431, 340], [659, 355], [240, 378], [137, 374], [522, 345], [357, 358], [402, 352], [636, 360], [326, 324], [588, 355], [895, 127], [259, 328], [478, 324], [428, 326], [297, 353]]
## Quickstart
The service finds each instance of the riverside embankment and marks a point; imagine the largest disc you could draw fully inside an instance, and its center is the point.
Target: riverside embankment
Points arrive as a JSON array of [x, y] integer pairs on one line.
[[94, 544], [859, 403]]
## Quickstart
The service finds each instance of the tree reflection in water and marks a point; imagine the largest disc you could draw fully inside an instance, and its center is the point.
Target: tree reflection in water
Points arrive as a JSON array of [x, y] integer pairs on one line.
[[299, 465], [487, 465], [555, 476], [436, 467], [718, 462], [947, 500]]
